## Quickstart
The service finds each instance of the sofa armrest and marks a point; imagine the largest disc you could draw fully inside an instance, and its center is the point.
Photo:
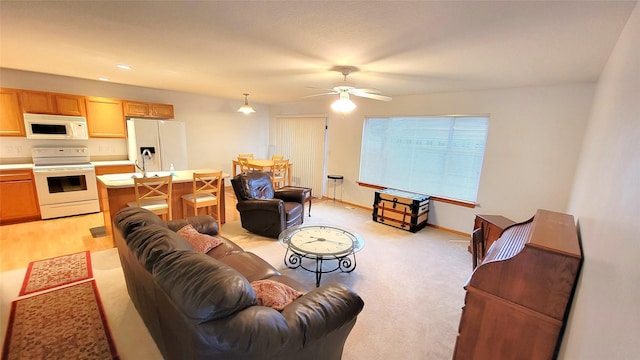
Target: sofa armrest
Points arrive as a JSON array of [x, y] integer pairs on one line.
[[264, 331], [204, 224], [290, 195], [323, 310], [273, 205]]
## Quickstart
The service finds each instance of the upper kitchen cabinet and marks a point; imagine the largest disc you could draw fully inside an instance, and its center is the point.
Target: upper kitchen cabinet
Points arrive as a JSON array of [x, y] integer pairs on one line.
[[39, 102], [147, 110], [11, 121], [105, 118]]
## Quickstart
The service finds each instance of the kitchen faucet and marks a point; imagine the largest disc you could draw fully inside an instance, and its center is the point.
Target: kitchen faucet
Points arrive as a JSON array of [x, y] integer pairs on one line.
[[145, 153]]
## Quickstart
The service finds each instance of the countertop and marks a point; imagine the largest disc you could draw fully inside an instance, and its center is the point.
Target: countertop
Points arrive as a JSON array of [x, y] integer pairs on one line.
[[112, 163], [126, 179], [16, 166], [95, 163]]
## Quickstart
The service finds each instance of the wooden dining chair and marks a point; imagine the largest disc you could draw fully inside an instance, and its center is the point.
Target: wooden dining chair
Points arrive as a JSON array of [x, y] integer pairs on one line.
[[276, 157], [154, 194], [279, 173], [248, 156], [243, 162], [207, 187]]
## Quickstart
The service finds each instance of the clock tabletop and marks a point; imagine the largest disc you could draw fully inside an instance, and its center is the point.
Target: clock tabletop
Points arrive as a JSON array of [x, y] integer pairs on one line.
[[320, 240]]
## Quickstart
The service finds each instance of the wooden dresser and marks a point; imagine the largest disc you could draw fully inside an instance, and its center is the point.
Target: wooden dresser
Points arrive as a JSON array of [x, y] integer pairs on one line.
[[518, 298]]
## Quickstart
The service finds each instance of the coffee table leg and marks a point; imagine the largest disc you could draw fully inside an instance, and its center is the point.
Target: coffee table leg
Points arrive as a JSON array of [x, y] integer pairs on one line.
[[318, 270]]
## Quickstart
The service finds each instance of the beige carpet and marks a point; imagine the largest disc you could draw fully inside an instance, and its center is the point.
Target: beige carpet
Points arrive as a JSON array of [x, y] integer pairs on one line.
[[412, 286]]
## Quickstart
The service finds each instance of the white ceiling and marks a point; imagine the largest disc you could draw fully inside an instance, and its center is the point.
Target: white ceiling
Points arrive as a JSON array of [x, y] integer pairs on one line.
[[276, 50]]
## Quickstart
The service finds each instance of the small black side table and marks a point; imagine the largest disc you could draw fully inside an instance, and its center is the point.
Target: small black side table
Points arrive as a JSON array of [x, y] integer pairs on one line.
[[335, 178]]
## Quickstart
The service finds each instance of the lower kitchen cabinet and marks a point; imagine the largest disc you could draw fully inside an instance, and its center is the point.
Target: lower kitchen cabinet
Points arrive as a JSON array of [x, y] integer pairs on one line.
[[18, 197]]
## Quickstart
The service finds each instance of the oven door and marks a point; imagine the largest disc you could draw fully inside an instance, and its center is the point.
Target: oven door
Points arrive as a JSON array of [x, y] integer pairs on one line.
[[66, 190]]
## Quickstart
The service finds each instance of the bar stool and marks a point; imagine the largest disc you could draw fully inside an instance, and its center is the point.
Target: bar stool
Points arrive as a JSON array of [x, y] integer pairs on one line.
[[154, 194], [335, 178]]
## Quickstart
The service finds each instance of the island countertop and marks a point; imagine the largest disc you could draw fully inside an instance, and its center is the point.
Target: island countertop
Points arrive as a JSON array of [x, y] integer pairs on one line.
[[126, 179], [118, 189]]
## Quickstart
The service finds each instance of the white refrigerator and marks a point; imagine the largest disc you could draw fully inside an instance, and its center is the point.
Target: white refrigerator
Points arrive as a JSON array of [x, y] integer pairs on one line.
[[165, 141]]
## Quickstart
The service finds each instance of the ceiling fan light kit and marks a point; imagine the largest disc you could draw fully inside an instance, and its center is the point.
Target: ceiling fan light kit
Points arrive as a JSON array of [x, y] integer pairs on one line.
[[246, 108], [344, 104], [345, 88]]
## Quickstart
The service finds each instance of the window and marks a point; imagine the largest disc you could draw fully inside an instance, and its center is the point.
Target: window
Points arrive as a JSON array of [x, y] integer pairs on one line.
[[439, 156]]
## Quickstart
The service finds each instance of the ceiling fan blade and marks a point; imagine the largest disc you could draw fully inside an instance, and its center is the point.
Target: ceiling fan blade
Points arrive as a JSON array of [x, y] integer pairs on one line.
[[319, 88], [371, 91], [329, 93], [373, 96]]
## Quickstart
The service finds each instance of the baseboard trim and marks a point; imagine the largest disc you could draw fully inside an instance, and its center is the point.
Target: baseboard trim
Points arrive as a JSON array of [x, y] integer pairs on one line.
[[461, 233]]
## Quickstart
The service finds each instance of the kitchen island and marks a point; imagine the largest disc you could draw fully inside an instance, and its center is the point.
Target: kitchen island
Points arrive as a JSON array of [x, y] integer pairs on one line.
[[117, 190]]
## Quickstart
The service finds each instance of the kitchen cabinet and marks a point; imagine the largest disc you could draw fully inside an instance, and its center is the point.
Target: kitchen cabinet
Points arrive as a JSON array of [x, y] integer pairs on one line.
[[18, 197], [147, 110], [111, 169], [11, 121], [105, 118], [40, 102]]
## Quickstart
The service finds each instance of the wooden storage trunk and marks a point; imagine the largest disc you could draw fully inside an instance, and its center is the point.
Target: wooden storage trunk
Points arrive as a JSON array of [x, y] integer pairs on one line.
[[404, 210]]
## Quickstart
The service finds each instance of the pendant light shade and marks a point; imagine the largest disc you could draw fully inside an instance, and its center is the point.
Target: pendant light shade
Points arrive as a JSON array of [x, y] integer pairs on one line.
[[344, 104], [246, 108]]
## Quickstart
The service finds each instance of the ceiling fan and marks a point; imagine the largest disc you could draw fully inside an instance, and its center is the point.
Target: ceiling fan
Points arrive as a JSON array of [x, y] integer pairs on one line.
[[345, 88]]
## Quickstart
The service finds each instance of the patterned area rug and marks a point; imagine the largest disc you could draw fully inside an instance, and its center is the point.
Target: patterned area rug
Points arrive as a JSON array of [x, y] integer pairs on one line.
[[49, 273], [67, 323]]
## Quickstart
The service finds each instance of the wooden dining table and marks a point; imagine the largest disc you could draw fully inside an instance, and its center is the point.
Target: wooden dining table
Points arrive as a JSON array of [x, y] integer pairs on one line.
[[260, 165]]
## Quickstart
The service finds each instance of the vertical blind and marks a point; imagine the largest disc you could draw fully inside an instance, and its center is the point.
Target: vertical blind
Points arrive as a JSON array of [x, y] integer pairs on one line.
[[301, 139], [440, 156]]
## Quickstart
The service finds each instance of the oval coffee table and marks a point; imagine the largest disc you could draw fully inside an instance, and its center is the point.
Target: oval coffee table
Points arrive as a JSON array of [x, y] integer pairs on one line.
[[321, 243]]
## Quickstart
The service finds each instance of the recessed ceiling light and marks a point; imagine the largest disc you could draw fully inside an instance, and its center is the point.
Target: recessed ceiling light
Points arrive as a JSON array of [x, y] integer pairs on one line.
[[124, 67], [103, 79]]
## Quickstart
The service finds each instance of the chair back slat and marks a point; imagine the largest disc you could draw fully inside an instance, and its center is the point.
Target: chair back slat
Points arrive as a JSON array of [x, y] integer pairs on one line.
[[153, 188], [279, 173], [207, 183]]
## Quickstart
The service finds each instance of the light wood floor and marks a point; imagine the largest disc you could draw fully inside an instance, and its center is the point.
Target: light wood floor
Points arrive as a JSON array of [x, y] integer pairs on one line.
[[25, 242]]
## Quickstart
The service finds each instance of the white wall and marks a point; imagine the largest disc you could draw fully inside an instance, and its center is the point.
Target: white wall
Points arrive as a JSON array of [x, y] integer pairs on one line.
[[216, 132], [605, 319], [535, 136]]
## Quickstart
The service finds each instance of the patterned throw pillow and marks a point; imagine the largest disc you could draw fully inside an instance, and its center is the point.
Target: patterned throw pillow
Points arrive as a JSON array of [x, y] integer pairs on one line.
[[274, 294], [200, 242]]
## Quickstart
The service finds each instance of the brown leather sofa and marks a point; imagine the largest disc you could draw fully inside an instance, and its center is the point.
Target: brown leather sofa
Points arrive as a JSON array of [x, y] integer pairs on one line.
[[199, 306], [263, 210]]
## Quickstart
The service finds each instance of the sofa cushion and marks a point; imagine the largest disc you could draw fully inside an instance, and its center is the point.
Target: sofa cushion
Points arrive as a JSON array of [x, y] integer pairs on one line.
[[227, 247], [200, 242], [250, 266], [201, 286], [131, 218], [274, 294], [151, 242]]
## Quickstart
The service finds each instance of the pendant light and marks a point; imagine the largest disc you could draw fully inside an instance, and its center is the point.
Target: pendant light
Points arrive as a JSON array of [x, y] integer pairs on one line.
[[344, 104], [246, 108]]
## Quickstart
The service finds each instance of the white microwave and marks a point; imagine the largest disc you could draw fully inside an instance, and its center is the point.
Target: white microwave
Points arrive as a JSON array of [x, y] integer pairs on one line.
[[56, 127]]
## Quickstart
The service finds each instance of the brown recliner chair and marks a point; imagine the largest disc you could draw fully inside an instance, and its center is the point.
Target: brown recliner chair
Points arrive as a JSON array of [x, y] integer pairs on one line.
[[263, 210]]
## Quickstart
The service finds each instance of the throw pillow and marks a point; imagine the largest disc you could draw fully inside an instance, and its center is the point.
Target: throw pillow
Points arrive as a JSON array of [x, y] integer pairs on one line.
[[274, 294], [200, 242]]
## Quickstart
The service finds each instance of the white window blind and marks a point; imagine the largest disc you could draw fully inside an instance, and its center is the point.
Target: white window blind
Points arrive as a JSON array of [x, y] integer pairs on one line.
[[301, 139], [439, 156]]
